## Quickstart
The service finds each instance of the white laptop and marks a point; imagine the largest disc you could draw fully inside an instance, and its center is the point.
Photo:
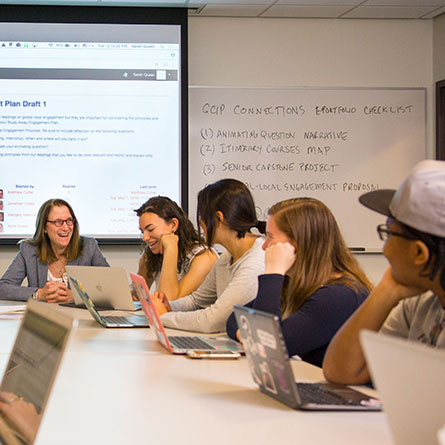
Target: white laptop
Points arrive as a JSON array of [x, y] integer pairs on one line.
[[31, 370], [410, 379], [177, 344], [108, 287]]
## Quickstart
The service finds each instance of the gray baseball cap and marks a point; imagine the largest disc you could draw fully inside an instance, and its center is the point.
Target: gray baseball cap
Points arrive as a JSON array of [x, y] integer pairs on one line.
[[419, 202]]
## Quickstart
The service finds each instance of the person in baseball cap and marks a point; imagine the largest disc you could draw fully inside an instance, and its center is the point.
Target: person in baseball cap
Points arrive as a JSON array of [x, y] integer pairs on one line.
[[409, 301]]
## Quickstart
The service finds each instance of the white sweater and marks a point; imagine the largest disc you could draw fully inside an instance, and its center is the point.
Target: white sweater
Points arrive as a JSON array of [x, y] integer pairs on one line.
[[208, 308]]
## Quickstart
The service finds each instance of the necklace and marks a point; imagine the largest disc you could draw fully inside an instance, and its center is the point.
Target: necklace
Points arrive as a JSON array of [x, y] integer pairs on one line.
[[58, 267]]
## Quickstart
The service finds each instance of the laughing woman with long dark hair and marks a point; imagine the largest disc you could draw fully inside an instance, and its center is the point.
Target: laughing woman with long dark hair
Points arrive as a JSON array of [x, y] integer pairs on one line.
[[175, 257]]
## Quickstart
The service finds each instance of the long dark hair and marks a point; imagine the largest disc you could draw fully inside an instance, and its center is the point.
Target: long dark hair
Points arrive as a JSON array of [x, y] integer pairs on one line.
[[321, 252], [188, 237], [233, 199], [41, 239]]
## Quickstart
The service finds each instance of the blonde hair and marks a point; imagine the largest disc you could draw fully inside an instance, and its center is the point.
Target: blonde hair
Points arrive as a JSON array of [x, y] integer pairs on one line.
[[322, 257]]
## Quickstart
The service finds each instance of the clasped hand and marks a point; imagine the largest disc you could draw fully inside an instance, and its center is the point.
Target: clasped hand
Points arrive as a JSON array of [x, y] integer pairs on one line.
[[161, 302], [55, 292]]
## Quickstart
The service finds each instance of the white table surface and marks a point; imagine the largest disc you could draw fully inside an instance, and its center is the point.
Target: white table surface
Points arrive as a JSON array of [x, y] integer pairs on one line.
[[119, 386]]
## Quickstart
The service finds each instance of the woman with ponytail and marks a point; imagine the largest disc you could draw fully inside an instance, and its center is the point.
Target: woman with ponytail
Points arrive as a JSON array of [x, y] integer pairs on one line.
[[311, 281], [226, 214]]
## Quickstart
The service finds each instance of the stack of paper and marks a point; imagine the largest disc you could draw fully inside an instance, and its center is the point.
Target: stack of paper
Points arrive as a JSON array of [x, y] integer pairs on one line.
[[10, 310]]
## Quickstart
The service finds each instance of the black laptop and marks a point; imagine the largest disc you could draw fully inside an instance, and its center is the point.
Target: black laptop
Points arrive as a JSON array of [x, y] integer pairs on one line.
[[269, 364]]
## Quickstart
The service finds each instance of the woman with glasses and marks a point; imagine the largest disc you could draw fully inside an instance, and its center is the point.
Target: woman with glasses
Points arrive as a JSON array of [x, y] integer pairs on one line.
[[42, 258], [311, 281]]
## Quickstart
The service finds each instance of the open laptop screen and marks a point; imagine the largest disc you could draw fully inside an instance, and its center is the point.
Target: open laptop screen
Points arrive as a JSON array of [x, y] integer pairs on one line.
[[31, 369]]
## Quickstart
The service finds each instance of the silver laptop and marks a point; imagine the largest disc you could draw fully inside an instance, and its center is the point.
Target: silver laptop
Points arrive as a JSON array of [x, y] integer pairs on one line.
[[31, 370], [269, 365], [177, 344], [107, 286], [107, 321], [410, 379]]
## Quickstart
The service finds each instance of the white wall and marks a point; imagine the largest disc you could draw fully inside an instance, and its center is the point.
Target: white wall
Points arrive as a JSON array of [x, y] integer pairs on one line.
[[296, 52], [302, 52], [314, 52], [439, 48]]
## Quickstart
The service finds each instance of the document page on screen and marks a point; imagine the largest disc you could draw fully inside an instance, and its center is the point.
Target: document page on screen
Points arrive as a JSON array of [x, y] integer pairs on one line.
[[89, 113]]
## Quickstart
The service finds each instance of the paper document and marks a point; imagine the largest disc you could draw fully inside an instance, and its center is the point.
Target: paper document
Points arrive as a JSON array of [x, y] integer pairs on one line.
[[12, 307]]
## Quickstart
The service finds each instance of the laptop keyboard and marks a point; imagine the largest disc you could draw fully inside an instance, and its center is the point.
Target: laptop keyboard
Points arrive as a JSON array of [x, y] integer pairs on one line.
[[189, 343], [313, 393], [117, 320]]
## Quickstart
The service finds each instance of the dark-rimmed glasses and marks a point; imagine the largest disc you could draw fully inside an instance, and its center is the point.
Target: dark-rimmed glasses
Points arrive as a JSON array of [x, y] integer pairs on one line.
[[59, 222], [385, 233]]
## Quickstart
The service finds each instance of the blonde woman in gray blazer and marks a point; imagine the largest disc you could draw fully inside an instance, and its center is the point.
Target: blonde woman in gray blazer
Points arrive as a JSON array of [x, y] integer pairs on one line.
[[42, 258]]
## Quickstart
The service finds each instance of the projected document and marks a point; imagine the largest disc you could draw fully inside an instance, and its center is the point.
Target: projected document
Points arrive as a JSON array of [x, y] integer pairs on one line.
[[94, 122]]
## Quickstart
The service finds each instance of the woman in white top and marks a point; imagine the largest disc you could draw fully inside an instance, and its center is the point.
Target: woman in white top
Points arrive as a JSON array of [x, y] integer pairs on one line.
[[174, 256], [226, 213]]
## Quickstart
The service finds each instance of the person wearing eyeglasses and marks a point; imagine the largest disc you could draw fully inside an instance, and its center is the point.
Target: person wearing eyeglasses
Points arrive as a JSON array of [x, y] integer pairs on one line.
[[42, 258], [409, 301]]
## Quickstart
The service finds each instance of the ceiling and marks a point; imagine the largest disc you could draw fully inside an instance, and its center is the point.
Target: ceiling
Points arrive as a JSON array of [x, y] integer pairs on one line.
[[344, 9], [340, 9]]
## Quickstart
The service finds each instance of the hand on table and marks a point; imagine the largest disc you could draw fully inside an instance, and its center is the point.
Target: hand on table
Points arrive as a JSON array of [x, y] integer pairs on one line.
[[21, 415], [55, 292], [161, 302]]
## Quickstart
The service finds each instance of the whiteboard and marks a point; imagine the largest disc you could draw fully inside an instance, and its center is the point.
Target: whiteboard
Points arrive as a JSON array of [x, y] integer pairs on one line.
[[333, 144]]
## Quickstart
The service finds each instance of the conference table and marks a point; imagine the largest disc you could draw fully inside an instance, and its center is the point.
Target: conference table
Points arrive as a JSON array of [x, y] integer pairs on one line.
[[120, 386]]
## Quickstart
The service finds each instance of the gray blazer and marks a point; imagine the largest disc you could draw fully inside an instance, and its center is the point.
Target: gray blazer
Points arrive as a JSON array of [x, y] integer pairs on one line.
[[27, 265]]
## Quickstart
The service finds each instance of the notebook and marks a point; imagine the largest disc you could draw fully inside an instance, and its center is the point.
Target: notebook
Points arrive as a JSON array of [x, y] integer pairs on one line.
[[31, 370], [269, 365], [409, 377], [176, 344], [107, 286], [108, 321]]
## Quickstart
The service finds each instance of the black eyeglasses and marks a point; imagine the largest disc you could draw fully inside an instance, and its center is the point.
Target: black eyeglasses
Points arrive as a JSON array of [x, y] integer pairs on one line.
[[384, 233], [59, 222]]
